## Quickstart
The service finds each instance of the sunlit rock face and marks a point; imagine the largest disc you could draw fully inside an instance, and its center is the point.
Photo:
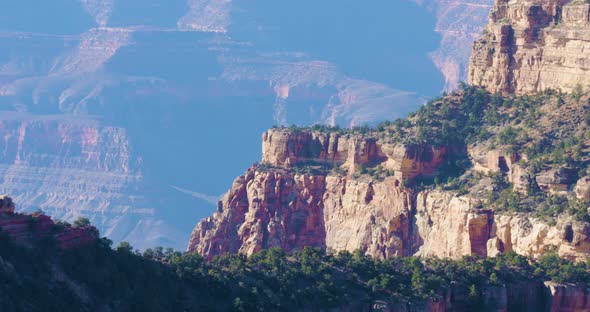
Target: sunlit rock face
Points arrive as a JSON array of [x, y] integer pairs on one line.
[[531, 46], [274, 205], [107, 109]]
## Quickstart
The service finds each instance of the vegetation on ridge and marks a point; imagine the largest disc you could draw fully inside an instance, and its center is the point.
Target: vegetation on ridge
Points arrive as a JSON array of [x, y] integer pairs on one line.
[[99, 277], [545, 132]]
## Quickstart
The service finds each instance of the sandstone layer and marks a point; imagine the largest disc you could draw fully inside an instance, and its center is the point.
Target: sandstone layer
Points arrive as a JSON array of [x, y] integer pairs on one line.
[[273, 205], [282, 148], [531, 46]]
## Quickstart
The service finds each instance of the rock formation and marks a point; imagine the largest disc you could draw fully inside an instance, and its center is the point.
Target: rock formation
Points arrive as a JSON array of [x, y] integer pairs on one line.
[[6, 204], [71, 168], [287, 149], [27, 229], [361, 190], [359, 197], [531, 46], [567, 297], [272, 205], [517, 296], [93, 72]]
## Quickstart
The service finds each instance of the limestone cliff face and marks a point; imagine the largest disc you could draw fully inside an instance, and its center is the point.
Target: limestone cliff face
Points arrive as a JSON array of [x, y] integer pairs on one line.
[[278, 208], [283, 148], [374, 216], [273, 205], [530, 46], [453, 226]]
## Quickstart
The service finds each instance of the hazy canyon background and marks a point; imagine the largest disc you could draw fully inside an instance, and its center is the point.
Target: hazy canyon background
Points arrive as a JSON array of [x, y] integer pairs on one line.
[[139, 113]]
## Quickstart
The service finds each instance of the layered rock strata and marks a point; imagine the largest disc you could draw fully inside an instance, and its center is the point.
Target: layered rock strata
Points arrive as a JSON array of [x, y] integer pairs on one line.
[[72, 167], [531, 46], [282, 148], [272, 205]]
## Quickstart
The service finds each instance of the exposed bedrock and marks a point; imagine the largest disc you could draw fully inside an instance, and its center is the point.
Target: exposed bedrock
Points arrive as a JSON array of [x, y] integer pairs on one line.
[[273, 205], [531, 46]]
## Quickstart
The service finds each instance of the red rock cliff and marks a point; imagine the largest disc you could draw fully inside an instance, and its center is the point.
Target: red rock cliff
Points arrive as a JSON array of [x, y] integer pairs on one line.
[[31, 228], [342, 209]]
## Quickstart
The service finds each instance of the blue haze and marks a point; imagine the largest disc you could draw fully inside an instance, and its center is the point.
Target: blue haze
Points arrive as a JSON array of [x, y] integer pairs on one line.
[[192, 128]]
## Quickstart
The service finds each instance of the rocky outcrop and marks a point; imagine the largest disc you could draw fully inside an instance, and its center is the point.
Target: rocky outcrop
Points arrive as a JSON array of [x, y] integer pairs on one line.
[[263, 210], [275, 206], [6, 204], [556, 181], [530, 46], [28, 229], [582, 188], [373, 216], [568, 298], [529, 236], [278, 208], [453, 226], [516, 296], [499, 162], [73, 237], [491, 161], [286, 148]]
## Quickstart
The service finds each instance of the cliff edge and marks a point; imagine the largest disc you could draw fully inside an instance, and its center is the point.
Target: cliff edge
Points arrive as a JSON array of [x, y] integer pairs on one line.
[[471, 173], [531, 46]]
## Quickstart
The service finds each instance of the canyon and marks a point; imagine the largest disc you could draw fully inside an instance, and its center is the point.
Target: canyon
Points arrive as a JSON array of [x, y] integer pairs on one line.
[[517, 189], [489, 181], [348, 190], [355, 191], [96, 107]]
